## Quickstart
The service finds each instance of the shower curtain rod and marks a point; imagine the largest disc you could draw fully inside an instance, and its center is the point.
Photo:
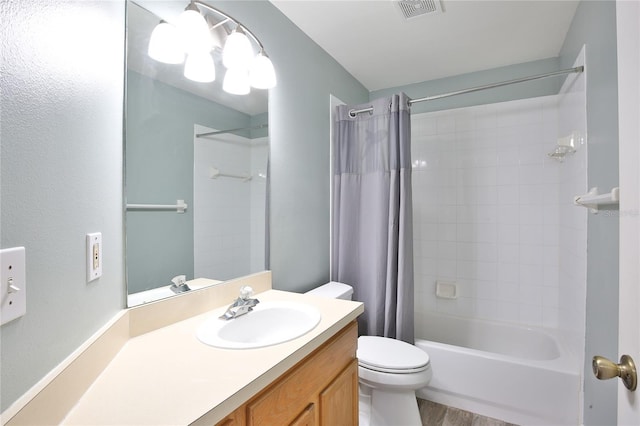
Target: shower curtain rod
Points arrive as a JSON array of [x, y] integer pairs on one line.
[[220, 132], [579, 69]]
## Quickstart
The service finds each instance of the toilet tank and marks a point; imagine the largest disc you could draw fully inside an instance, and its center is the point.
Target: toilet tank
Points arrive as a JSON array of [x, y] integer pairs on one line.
[[334, 290]]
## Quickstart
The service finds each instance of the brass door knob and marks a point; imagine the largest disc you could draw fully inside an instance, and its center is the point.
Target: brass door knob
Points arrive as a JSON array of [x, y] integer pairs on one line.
[[605, 369]]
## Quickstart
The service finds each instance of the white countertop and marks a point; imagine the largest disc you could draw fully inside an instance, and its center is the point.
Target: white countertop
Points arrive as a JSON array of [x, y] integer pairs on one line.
[[167, 376]]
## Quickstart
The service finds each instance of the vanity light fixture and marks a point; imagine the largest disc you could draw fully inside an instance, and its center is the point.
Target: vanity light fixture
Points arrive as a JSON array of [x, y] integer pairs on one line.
[[191, 38], [164, 44], [261, 74], [199, 67], [237, 52], [193, 31], [236, 81]]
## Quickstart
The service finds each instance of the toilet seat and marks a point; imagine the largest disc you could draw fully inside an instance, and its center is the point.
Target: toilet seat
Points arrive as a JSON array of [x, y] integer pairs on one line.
[[388, 355]]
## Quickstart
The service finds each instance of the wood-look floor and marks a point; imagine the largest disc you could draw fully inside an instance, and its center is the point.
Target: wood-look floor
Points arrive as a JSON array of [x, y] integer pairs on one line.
[[434, 414]]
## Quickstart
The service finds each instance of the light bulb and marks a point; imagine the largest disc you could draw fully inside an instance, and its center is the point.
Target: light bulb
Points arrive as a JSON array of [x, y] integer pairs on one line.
[[236, 81], [237, 52], [199, 67], [164, 44], [194, 32], [262, 75]]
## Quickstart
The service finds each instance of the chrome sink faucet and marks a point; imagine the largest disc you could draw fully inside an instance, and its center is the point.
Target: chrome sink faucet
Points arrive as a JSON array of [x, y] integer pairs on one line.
[[242, 305], [179, 284]]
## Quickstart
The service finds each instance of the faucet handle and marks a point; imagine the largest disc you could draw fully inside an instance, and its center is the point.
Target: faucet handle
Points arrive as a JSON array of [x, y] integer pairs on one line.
[[245, 292], [179, 280]]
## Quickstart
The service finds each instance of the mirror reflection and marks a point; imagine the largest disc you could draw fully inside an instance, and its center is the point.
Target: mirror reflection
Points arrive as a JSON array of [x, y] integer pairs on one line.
[[196, 150]]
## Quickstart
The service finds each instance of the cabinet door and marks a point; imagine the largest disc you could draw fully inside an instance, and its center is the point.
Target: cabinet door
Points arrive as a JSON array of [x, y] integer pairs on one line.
[[307, 417], [237, 418], [289, 396], [339, 400]]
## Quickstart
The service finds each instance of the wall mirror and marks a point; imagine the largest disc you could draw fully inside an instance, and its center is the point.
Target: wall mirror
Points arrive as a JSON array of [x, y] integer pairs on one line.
[[195, 154]]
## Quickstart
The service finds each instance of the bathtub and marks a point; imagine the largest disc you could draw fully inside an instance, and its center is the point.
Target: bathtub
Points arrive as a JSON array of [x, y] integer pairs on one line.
[[521, 375]]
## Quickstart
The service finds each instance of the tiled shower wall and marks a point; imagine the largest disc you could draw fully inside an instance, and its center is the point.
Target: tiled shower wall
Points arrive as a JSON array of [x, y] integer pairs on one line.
[[487, 204], [228, 212]]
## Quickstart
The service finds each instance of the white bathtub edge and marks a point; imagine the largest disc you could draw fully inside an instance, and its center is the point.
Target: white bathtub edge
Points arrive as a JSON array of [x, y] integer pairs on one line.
[[505, 388]]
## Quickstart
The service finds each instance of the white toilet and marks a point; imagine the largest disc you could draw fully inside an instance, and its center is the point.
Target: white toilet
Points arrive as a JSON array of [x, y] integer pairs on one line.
[[390, 372]]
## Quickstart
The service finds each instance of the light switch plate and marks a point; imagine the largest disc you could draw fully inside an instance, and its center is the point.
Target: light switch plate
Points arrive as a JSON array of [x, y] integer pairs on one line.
[[94, 256], [13, 284]]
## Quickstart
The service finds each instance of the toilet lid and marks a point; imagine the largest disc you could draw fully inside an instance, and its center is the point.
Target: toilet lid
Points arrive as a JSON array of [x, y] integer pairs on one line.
[[390, 355]]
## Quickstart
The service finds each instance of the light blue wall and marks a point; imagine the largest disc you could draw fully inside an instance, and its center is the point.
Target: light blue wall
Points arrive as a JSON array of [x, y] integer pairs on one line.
[[299, 137], [62, 166], [61, 173], [257, 120], [594, 25], [159, 164]]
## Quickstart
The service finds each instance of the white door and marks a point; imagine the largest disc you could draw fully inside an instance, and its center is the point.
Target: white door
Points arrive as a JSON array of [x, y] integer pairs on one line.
[[628, 27]]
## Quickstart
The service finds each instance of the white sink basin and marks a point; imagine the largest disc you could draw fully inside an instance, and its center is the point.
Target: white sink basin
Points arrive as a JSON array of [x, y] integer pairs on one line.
[[268, 324]]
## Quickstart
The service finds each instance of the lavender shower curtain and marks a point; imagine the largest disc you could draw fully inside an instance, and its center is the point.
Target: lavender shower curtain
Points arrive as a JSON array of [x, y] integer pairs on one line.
[[372, 245]]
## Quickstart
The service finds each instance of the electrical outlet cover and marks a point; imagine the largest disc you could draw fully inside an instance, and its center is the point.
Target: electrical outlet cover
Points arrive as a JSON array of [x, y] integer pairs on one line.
[[13, 284], [94, 256]]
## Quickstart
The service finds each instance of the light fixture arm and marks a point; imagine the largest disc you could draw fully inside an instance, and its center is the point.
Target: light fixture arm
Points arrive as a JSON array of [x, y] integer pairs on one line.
[[228, 17], [224, 21], [192, 6]]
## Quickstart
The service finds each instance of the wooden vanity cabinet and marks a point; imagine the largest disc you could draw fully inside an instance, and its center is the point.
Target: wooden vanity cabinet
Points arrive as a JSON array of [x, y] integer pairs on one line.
[[321, 390]]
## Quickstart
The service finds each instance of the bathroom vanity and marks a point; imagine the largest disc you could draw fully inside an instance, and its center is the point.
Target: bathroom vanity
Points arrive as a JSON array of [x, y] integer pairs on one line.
[[148, 367], [320, 390]]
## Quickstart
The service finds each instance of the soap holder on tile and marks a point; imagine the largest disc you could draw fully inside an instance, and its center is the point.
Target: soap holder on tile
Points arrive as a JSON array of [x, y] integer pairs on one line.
[[567, 145], [446, 289]]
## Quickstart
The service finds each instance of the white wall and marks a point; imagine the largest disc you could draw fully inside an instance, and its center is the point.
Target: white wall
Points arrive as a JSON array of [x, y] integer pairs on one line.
[[487, 211]]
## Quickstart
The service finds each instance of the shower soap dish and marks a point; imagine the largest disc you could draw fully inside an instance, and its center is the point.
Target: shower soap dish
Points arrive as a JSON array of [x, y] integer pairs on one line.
[[446, 289], [566, 145]]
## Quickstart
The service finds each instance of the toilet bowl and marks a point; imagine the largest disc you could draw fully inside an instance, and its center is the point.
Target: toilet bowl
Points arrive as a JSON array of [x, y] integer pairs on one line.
[[390, 371]]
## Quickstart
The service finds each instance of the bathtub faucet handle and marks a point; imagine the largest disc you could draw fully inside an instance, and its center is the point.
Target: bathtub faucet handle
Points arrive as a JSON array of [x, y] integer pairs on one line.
[[605, 369]]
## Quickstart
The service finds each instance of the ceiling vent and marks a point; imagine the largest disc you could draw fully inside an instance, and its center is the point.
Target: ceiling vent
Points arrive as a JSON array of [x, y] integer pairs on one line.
[[414, 8]]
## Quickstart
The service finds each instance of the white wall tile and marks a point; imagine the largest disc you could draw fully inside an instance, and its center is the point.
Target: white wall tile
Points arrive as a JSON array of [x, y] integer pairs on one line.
[[447, 232], [530, 315], [446, 269], [508, 175], [464, 121], [446, 124], [447, 250], [223, 225], [509, 253], [508, 233], [494, 214]]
